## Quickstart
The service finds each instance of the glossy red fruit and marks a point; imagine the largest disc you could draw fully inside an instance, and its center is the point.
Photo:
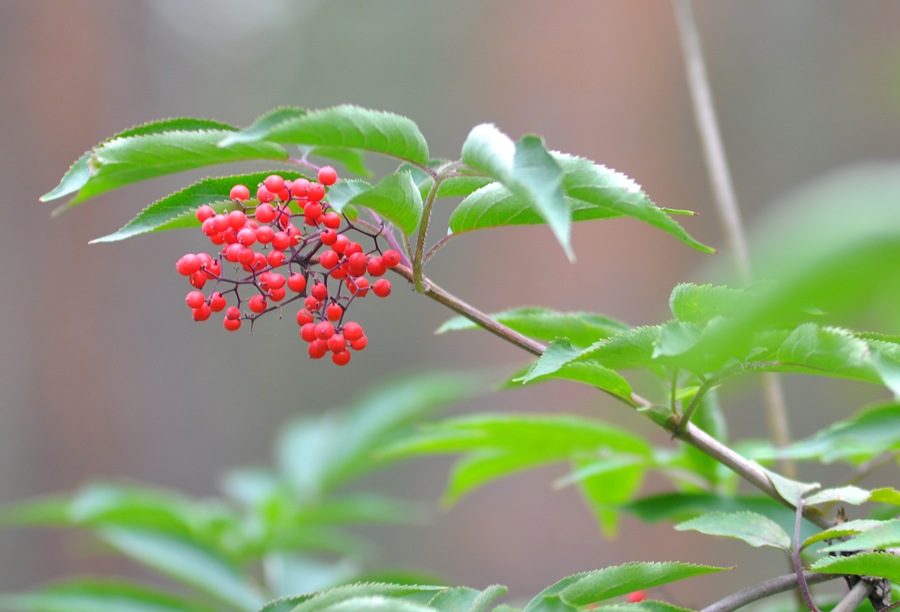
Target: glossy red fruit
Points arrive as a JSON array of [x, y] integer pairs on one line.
[[246, 236], [340, 244], [300, 188], [257, 303], [352, 247], [202, 313], [237, 219], [311, 303], [316, 351], [331, 220], [220, 222], [229, 235], [312, 212], [376, 266], [274, 183], [341, 359], [217, 302], [213, 270], [247, 256], [281, 241], [276, 295], [328, 237], [233, 312], [233, 252], [259, 262], [303, 317], [283, 216], [324, 330], [382, 287], [319, 292], [275, 259], [337, 344], [316, 192], [296, 283], [195, 299], [329, 259], [205, 260], [294, 234], [209, 227], [353, 331], [252, 224], [265, 213], [636, 597], [264, 195], [358, 345], [338, 273], [390, 258], [360, 286], [334, 312], [327, 175], [275, 280], [265, 234], [232, 324], [205, 212], [308, 332], [239, 192], [198, 279], [217, 238], [188, 264]]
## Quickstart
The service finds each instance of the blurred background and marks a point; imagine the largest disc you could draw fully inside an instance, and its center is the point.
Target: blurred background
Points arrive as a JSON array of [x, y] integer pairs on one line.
[[104, 374]]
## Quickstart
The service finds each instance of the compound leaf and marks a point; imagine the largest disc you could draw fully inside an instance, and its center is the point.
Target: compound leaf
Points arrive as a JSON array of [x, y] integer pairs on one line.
[[622, 579], [754, 529], [881, 564]]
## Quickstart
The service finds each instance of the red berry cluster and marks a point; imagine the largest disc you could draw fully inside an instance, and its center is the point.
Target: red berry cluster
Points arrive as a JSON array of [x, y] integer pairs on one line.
[[278, 250]]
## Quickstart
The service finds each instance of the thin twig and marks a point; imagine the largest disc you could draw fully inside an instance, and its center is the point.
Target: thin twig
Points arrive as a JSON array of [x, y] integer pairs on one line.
[[765, 589], [726, 201], [798, 562], [854, 598]]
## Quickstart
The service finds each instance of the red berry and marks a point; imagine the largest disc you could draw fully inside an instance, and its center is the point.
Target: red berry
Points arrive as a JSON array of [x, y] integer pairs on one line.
[[209, 227], [237, 219], [337, 344], [334, 312], [202, 313], [194, 299], [188, 264], [205, 260], [319, 292], [239, 192], [353, 331], [233, 312], [636, 597], [283, 216], [281, 241], [390, 258], [233, 252], [308, 332], [276, 295], [340, 244], [205, 212], [353, 247], [217, 302], [217, 238], [274, 183], [358, 345], [229, 235], [329, 259], [332, 220], [328, 237], [296, 283], [382, 287], [324, 330], [246, 236], [316, 192], [300, 188], [275, 280], [232, 324], [358, 262], [246, 256], [275, 259], [264, 195], [252, 224], [284, 195], [265, 213], [294, 234], [303, 317], [311, 303], [312, 212], [341, 359], [316, 351], [265, 234], [327, 175], [338, 273], [376, 266], [213, 270], [257, 303], [198, 279], [360, 286], [220, 222], [258, 263]]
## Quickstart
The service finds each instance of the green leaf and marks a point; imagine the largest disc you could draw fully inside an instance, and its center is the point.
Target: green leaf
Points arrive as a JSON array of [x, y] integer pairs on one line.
[[676, 338], [487, 596], [628, 578], [178, 210], [395, 198], [354, 161], [559, 353], [124, 161], [883, 536], [848, 495], [827, 350], [345, 126], [287, 573], [375, 604], [882, 564], [99, 596], [642, 606], [631, 349], [186, 562], [698, 304], [527, 170], [754, 529], [685, 506], [790, 490], [590, 191], [327, 599], [549, 600], [481, 467], [590, 373], [841, 530], [363, 508], [581, 328], [463, 599], [264, 124], [886, 496], [79, 173], [605, 491], [604, 466]]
